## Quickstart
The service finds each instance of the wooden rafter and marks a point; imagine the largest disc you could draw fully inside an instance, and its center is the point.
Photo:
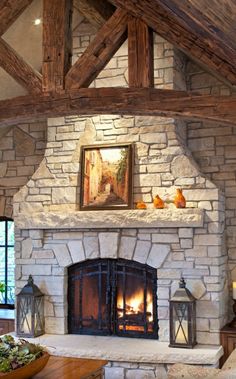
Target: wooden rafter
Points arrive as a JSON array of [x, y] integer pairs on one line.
[[105, 44], [124, 101], [10, 11], [57, 43], [97, 12], [19, 70], [10, 60], [140, 54], [200, 43]]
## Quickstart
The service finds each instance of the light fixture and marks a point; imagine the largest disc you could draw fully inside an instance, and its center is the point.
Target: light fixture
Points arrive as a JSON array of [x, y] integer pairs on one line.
[[182, 318], [37, 21], [30, 311]]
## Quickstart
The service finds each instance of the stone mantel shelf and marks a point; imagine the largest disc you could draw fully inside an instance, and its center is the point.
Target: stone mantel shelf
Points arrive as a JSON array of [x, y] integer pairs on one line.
[[132, 218]]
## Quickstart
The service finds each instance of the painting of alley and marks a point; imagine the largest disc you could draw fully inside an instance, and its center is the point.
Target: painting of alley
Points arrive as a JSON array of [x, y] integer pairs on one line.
[[105, 178]]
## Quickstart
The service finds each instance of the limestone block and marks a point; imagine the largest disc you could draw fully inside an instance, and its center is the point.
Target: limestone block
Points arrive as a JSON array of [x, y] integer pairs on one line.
[[55, 325], [42, 172], [201, 194], [140, 374], [37, 244], [36, 234], [108, 244], [3, 169], [208, 309], [62, 254], [24, 143], [144, 180], [91, 247], [63, 195], [36, 270], [43, 254], [27, 248], [158, 255], [197, 251], [142, 149], [185, 233], [2, 205], [186, 243], [207, 239], [165, 238], [48, 308], [51, 285], [161, 372], [56, 121], [114, 373], [18, 272], [76, 251], [141, 251], [153, 138], [195, 286], [126, 249], [184, 167]]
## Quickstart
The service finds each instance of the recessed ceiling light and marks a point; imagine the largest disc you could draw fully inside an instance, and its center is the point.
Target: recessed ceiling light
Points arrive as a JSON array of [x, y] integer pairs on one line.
[[37, 21]]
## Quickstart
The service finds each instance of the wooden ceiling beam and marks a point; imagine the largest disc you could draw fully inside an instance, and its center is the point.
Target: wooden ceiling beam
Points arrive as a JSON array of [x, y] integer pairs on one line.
[[10, 10], [97, 12], [57, 43], [123, 101], [140, 54], [102, 48], [198, 42], [19, 70]]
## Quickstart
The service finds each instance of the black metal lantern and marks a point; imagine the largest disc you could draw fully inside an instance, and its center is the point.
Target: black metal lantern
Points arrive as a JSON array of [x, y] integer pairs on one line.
[[30, 311], [182, 318]]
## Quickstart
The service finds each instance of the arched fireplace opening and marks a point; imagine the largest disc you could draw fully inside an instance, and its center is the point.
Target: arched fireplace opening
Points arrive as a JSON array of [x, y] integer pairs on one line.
[[112, 297]]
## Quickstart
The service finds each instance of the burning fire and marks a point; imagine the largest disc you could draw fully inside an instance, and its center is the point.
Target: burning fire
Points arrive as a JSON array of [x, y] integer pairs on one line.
[[135, 306]]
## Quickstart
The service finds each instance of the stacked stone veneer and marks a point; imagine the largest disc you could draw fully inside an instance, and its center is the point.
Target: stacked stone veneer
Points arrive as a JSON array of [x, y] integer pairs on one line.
[[21, 150], [213, 146], [161, 164]]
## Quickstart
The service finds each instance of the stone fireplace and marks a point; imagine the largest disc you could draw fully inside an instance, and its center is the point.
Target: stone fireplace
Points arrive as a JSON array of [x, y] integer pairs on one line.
[[53, 234], [54, 237]]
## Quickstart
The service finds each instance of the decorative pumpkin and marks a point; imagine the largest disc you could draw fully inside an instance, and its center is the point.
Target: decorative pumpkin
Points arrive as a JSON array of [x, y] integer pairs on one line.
[[179, 199], [141, 205], [158, 202]]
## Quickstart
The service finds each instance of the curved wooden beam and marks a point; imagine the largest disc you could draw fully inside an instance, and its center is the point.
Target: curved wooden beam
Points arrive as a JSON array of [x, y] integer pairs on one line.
[[123, 101]]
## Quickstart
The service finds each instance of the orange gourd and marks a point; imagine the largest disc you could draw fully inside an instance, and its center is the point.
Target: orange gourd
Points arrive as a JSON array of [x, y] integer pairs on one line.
[[158, 202], [179, 199], [141, 205]]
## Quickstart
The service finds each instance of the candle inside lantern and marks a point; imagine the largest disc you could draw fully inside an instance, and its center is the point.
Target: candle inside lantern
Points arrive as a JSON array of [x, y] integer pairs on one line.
[[181, 331], [234, 290]]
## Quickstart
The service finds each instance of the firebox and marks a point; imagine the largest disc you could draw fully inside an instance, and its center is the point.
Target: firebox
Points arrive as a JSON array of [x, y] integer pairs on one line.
[[108, 296]]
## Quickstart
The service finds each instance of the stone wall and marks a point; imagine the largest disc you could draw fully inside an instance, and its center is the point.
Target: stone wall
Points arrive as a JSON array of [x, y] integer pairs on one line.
[[213, 146], [162, 163], [21, 151]]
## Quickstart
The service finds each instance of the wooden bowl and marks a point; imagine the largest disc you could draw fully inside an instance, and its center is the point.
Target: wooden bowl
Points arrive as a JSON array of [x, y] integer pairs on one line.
[[27, 371]]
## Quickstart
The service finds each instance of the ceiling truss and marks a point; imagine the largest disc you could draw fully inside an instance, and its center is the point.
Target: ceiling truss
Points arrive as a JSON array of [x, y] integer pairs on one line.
[[61, 89]]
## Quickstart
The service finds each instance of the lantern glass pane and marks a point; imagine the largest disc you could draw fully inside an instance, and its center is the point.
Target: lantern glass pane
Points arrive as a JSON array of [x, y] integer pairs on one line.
[[181, 323], [25, 315], [39, 316]]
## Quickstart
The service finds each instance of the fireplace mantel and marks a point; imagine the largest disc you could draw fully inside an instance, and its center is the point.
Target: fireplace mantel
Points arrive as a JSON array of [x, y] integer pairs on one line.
[[113, 219]]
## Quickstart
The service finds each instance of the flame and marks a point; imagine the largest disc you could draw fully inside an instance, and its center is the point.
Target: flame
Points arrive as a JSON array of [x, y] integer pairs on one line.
[[135, 305]]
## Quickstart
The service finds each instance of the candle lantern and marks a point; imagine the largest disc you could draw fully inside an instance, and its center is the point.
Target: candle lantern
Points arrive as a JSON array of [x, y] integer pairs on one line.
[[232, 324], [182, 318], [30, 311]]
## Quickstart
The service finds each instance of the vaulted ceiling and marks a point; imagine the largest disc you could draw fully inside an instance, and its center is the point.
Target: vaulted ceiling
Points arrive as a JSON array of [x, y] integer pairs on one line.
[[202, 29]]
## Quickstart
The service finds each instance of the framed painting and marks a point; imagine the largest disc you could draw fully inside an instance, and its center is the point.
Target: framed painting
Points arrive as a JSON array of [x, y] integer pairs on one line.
[[106, 177]]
